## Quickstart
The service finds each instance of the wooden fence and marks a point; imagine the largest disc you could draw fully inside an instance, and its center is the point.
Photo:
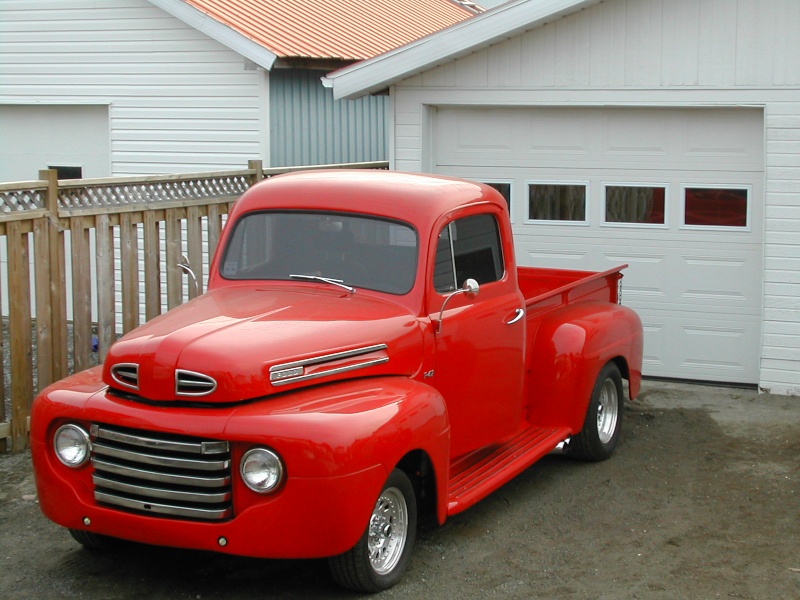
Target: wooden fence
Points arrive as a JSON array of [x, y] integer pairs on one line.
[[106, 234]]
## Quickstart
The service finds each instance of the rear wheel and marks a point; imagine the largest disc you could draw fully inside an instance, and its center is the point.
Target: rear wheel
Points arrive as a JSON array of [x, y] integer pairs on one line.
[[381, 556], [603, 421]]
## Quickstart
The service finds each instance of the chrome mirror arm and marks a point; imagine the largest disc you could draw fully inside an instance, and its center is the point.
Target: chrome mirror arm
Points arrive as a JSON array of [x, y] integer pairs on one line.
[[186, 268], [470, 288]]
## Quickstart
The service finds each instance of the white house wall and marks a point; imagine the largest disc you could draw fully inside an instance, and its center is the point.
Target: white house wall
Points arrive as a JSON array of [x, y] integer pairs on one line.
[[177, 100], [670, 53]]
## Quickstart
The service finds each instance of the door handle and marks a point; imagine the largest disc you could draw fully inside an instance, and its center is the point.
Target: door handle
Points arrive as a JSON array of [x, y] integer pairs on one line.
[[518, 314]]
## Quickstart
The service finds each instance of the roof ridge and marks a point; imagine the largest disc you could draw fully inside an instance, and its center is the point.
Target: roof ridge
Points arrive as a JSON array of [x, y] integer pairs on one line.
[[470, 5]]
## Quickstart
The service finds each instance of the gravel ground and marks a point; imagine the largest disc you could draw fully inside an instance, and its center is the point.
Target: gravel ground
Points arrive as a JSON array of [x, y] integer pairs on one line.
[[701, 500]]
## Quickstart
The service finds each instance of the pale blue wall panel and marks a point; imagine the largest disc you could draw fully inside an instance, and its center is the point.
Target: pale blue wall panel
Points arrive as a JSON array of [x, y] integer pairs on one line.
[[309, 127]]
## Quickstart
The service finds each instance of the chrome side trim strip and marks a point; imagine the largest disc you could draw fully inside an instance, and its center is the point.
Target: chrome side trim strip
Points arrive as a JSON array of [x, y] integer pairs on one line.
[[329, 357], [294, 372], [329, 372]]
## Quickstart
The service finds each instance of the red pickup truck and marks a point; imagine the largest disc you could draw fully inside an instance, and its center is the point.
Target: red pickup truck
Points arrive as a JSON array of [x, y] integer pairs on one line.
[[367, 354]]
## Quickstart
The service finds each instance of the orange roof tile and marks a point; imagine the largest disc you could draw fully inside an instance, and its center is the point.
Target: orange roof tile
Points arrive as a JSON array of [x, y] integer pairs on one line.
[[338, 29]]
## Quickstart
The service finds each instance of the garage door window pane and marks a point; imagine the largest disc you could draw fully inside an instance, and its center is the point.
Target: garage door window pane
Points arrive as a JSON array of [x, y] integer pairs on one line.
[[716, 207], [556, 202], [635, 204], [504, 189]]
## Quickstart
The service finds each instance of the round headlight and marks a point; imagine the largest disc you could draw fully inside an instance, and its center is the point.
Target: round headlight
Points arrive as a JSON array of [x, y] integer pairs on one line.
[[72, 445], [262, 470]]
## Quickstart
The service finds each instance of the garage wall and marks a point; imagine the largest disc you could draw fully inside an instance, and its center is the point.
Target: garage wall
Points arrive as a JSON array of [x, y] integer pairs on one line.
[[652, 53], [177, 100]]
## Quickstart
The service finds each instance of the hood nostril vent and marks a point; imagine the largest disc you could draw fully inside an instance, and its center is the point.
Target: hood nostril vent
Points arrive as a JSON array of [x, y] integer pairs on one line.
[[189, 383], [126, 374]]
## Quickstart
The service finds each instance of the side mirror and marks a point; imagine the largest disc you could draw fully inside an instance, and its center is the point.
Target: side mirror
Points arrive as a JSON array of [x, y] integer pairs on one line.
[[470, 288]]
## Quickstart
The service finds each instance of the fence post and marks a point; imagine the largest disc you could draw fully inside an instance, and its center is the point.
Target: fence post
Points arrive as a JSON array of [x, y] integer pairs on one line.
[[258, 167], [50, 278], [106, 317], [80, 262], [19, 317]]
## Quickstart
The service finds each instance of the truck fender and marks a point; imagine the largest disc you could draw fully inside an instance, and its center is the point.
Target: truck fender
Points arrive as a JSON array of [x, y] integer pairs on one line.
[[352, 427], [568, 350]]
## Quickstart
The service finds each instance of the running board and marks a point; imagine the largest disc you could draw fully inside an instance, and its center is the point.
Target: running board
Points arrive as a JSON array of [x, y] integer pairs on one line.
[[476, 475]]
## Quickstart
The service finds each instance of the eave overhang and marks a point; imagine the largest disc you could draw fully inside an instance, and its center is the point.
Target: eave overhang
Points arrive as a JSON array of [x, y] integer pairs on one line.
[[218, 31], [501, 23]]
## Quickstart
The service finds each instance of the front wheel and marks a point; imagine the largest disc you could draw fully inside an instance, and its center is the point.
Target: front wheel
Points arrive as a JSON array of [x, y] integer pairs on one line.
[[94, 541], [381, 556], [603, 421]]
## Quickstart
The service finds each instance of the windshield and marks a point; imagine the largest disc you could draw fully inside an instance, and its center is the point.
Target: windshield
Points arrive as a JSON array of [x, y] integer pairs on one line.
[[359, 251]]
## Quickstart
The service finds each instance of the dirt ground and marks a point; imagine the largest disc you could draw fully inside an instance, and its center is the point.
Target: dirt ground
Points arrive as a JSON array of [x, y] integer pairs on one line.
[[701, 500]]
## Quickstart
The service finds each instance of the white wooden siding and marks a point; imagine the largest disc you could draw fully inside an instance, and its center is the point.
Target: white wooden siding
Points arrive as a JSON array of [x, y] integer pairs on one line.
[[179, 101], [670, 53], [642, 43], [780, 359]]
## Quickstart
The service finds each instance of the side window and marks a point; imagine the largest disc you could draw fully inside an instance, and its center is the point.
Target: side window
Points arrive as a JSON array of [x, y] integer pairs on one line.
[[468, 248]]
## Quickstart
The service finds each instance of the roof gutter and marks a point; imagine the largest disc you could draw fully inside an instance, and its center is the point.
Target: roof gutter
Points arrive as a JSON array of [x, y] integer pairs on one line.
[[218, 31], [495, 25]]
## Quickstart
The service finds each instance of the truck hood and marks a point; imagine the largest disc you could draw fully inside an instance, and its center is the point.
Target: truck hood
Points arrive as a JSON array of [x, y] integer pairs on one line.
[[241, 343]]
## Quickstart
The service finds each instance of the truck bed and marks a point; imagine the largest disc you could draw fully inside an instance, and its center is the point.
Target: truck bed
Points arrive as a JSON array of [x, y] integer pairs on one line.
[[543, 287]]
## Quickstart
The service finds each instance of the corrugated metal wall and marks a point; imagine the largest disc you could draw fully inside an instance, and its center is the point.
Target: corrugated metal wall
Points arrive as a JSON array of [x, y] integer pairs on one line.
[[309, 127]]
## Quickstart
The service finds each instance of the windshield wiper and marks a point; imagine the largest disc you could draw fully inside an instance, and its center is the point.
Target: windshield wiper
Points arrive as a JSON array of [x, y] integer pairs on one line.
[[337, 282]]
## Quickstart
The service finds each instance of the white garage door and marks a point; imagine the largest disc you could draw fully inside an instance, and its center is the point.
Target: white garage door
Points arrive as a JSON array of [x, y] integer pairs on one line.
[[675, 193]]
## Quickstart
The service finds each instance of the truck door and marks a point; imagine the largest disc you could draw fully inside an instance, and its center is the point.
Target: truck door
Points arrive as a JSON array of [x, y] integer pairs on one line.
[[480, 343]]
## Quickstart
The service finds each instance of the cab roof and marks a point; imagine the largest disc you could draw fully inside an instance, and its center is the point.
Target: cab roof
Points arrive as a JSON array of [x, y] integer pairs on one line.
[[416, 198]]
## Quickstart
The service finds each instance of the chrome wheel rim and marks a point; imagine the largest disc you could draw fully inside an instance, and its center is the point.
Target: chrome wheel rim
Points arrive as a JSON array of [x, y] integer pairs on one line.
[[388, 531], [607, 411]]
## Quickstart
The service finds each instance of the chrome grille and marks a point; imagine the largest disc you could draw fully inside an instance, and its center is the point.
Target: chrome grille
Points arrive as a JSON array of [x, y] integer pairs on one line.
[[189, 383], [162, 475]]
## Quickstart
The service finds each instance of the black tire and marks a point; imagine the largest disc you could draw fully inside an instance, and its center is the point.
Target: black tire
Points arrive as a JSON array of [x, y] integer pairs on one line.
[[603, 422], [381, 556], [93, 541]]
